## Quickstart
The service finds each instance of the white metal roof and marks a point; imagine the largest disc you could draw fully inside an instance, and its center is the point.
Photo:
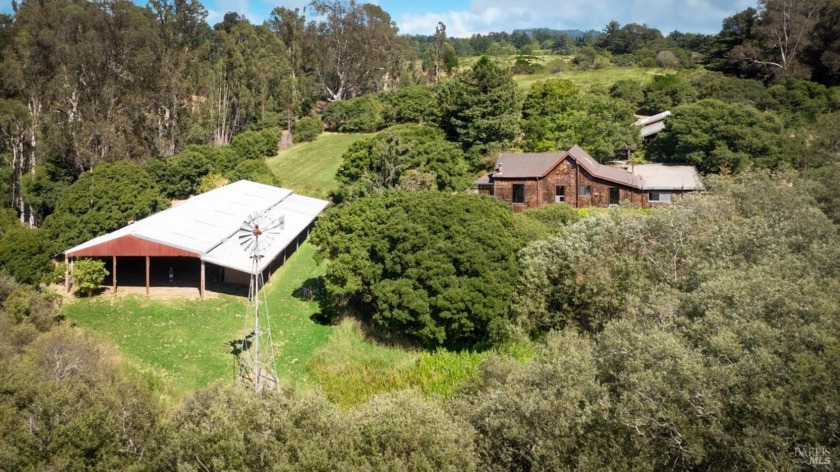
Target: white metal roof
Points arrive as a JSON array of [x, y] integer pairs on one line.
[[652, 124], [297, 211], [205, 224], [668, 177]]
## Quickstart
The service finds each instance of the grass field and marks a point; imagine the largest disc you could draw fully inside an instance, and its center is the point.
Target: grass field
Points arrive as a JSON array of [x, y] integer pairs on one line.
[[184, 344], [309, 168], [598, 78]]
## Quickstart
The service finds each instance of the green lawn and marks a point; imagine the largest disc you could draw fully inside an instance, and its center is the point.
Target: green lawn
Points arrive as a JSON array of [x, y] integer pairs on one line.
[[309, 168], [184, 344]]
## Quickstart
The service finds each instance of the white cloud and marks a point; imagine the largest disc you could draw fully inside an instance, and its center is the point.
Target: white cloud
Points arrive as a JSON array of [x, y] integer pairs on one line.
[[484, 16]]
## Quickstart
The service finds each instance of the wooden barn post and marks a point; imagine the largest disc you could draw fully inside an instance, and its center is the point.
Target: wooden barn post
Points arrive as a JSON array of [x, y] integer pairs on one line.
[[147, 276], [114, 274], [67, 272], [201, 288]]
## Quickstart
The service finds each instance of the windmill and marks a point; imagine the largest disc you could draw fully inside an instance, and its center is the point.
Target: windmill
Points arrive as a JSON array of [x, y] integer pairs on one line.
[[256, 361]]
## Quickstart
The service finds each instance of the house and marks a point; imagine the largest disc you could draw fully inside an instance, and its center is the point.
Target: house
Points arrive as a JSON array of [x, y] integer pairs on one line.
[[199, 237], [529, 180]]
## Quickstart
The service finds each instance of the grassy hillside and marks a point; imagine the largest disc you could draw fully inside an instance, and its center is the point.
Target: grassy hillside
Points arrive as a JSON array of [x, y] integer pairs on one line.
[[309, 168], [596, 78]]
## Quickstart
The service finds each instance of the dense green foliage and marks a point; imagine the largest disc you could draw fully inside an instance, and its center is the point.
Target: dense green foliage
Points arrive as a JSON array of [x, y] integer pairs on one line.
[[414, 104], [180, 175], [601, 125], [410, 157], [307, 129], [361, 114], [712, 324], [26, 254], [665, 92], [480, 109], [722, 137], [88, 275], [102, 200], [436, 268]]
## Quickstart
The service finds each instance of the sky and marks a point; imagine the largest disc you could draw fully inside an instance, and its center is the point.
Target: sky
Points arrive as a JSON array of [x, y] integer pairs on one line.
[[466, 17]]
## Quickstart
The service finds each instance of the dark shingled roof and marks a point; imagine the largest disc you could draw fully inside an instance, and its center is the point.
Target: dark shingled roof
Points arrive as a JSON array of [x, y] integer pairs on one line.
[[529, 165], [536, 165], [604, 172]]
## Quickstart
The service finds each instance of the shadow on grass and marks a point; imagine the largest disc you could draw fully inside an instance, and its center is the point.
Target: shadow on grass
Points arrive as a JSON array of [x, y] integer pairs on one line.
[[312, 290], [93, 293]]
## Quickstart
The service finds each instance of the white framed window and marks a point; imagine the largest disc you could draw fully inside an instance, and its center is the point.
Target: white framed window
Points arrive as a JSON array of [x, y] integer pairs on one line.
[[661, 197], [559, 194]]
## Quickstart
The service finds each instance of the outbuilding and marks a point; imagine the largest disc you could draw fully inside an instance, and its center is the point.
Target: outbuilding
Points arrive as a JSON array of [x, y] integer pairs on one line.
[[195, 240]]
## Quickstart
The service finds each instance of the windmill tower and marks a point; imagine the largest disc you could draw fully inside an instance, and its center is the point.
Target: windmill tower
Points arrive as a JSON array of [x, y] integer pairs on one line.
[[256, 361]]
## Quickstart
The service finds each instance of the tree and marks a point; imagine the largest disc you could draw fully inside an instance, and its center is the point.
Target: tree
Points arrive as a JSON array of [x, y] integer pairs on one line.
[[88, 275], [665, 92], [538, 415], [784, 33], [358, 49], [431, 267], [385, 161], [480, 109], [601, 125], [722, 137], [628, 90], [824, 51], [440, 55], [102, 200], [547, 97], [307, 128], [26, 254]]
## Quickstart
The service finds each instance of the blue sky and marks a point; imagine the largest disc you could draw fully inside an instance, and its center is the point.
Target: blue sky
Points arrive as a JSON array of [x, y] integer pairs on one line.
[[466, 17]]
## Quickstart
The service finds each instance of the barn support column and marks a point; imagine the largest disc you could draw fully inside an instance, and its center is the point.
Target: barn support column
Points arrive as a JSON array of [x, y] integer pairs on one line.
[[67, 273], [114, 275], [147, 276], [201, 288]]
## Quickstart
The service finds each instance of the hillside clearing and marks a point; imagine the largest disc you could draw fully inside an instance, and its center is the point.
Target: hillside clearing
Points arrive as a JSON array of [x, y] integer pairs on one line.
[[185, 344], [309, 168]]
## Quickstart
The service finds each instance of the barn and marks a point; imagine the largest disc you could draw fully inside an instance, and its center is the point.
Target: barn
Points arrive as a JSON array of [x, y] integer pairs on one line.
[[194, 242]]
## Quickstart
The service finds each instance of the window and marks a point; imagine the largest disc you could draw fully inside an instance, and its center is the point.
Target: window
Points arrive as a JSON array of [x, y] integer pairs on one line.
[[662, 197], [559, 194], [615, 195], [585, 191], [518, 193]]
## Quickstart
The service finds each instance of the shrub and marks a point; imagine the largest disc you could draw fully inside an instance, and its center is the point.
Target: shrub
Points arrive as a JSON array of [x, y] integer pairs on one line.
[[307, 129], [415, 104], [432, 267], [26, 254], [628, 90], [666, 92], [255, 144], [360, 114], [88, 275], [255, 170]]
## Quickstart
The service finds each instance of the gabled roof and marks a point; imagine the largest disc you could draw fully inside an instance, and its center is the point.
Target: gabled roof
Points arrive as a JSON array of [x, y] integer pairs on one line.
[[641, 177], [601, 171], [203, 226], [526, 165]]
